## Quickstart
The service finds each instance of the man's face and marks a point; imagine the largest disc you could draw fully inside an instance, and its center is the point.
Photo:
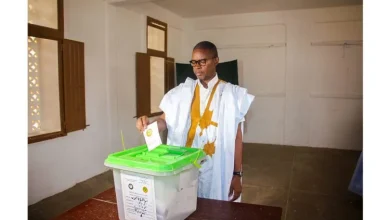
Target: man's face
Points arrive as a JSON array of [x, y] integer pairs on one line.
[[204, 64]]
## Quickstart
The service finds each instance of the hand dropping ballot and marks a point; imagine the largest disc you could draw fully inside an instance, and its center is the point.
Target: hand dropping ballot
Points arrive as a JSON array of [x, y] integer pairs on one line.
[[152, 136]]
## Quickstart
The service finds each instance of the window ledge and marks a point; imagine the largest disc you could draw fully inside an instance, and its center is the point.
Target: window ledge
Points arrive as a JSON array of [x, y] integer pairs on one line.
[[44, 137]]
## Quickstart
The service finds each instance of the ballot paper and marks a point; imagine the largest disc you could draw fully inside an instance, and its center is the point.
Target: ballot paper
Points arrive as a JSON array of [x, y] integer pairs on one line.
[[152, 136]]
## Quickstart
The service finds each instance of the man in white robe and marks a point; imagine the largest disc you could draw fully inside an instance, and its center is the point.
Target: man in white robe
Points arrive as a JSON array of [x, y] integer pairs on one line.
[[208, 113]]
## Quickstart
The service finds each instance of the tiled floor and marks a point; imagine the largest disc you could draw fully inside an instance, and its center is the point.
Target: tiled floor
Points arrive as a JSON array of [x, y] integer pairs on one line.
[[308, 183]]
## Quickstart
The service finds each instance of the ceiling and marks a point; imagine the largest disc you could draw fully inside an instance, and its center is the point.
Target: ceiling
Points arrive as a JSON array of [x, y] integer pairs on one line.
[[201, 8]]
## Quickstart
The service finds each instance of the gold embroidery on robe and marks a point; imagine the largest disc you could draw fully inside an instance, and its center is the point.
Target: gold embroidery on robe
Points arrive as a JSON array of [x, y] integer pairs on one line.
[[209, 148], [203, 122]]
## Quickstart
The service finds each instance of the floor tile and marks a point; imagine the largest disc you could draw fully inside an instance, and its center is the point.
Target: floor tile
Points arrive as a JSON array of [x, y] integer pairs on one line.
[[108, 196], [323, 171], [269, 173], [268, 196], [272, 196], [311, 206], [254, 153], [267, 165], [249, 194]]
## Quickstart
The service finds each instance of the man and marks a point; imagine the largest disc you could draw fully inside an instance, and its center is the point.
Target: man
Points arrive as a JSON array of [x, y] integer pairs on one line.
[[207, 113]]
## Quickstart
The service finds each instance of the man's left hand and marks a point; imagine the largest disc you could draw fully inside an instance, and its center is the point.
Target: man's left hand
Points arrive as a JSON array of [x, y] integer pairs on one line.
[[235, 188]]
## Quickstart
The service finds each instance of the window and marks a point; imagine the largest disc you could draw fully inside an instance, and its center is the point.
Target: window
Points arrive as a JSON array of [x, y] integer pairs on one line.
[[51, 113], [43, 87], [46, 19], [156, 38], [154, 70]]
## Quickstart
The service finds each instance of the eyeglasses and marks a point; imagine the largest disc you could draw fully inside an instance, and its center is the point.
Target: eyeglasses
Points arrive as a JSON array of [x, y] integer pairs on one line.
[[201, 62]]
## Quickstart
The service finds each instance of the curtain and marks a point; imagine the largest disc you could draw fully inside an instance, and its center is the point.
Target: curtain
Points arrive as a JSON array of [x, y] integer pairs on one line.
[[356, 184]]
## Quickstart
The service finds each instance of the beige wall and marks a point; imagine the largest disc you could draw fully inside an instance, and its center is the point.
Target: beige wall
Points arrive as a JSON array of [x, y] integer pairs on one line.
[[305, 95]]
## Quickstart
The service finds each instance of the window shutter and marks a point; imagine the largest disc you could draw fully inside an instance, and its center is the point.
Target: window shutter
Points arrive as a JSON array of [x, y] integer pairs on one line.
[[143, 84], [169, 74], [74, 85]]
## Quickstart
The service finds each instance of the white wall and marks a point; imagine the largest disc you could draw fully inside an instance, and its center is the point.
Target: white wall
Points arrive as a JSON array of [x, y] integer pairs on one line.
[[58, 164], [112, 36], [127, 28], [305, 95], [176, 28]]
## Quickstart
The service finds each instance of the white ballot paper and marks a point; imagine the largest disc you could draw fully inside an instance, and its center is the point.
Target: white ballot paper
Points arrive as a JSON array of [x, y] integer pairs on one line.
[[152, 136], [138, 197]]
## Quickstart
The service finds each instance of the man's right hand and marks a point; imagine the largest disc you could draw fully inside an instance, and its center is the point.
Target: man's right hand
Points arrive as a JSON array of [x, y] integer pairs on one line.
[[142, 123]]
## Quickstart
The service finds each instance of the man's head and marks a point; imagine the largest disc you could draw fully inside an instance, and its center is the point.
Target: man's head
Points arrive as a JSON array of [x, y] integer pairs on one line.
[[204, 60]]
